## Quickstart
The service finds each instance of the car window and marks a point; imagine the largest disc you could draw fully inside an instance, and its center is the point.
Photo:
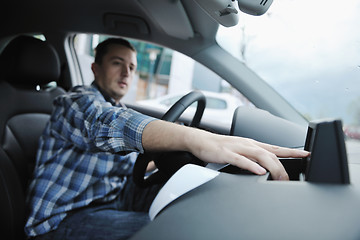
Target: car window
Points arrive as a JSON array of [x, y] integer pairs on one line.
[[164, 75], [216, 103], [211, 102], [170, 101]]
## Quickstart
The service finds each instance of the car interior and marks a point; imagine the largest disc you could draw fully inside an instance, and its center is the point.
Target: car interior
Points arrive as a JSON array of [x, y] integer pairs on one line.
[[34, 70]]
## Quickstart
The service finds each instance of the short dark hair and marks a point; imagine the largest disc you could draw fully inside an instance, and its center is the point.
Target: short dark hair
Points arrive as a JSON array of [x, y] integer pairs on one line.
[[103, 47]]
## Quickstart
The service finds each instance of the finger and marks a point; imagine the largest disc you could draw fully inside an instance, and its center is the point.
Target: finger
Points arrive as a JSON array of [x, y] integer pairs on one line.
[[274, 166], [245, 163], [270, 161], [253, 151], [247, 154], [284, 152]]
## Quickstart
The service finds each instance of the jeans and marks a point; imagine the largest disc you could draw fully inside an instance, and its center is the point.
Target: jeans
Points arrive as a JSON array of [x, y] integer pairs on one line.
[[119, 219]]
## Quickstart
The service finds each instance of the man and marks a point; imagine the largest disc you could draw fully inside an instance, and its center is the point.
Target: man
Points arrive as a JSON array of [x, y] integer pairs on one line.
[[82, 186]]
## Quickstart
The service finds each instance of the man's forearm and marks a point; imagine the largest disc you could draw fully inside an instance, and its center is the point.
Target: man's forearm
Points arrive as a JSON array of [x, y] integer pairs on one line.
[[242, 152], [166, 136]]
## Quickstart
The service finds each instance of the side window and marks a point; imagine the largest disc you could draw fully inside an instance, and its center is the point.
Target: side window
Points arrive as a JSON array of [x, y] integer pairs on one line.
[[164, 75], [216, 103], [169, 101]]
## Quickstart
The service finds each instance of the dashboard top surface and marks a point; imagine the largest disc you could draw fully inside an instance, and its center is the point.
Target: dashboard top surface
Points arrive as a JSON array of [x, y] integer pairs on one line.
[[252, 207]]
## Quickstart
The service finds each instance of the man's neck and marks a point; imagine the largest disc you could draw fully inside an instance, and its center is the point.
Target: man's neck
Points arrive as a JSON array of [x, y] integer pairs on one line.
[[107, 96]]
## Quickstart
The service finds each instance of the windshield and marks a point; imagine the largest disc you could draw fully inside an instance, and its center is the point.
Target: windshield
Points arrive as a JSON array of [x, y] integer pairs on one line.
[[309, 51]]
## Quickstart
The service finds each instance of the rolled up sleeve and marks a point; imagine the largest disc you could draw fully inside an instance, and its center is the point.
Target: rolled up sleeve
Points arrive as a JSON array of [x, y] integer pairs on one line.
[[92, 123], [124, 132]]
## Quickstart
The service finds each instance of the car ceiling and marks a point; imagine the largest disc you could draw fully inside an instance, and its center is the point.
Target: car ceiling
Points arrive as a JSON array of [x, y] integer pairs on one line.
[[129, 18]]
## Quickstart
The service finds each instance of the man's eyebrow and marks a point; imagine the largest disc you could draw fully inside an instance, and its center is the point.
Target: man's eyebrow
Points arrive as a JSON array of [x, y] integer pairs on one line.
[[121, 59], [117, 57]]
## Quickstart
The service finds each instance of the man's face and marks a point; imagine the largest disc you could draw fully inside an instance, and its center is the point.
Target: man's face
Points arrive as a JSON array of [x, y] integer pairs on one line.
[[115, 74]]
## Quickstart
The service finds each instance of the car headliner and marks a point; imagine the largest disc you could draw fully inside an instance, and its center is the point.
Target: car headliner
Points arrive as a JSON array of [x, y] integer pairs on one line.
[[90, 16]]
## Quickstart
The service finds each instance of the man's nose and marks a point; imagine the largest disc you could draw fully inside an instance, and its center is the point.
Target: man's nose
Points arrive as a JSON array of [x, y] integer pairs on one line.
[[125, 71]]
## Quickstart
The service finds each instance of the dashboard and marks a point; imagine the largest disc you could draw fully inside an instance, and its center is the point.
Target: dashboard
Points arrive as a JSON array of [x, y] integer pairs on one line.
[[319, 202]]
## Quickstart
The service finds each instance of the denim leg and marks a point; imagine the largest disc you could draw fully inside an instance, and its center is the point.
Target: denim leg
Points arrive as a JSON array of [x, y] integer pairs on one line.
[[107, 224], [134, 198], [119, 219]]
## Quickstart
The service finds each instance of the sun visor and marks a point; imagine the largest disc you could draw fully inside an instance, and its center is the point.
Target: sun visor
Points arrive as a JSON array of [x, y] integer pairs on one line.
[[170, 16]]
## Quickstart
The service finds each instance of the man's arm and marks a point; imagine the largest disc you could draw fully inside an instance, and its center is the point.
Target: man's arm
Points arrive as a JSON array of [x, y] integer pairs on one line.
[[241, 152]]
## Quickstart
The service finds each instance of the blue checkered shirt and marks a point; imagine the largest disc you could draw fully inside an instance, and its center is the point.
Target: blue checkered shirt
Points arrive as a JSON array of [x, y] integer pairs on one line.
[[85, 154]]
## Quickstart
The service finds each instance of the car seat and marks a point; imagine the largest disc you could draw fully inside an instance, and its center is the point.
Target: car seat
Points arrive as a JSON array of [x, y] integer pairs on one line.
[[27, 66]]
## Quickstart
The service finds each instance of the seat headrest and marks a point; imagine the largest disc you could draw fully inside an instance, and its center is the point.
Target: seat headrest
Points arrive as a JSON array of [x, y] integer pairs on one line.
[[29, 61]]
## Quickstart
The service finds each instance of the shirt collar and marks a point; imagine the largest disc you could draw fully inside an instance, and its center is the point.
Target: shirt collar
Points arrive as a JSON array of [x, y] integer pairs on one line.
[[106, 96]]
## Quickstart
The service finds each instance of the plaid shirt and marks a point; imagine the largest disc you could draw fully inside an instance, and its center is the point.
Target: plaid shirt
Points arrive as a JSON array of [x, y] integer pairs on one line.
[[86, 152]]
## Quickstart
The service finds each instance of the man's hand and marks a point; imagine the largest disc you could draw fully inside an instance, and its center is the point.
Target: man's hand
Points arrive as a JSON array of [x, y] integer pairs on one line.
[[247, 154], [244, 153]]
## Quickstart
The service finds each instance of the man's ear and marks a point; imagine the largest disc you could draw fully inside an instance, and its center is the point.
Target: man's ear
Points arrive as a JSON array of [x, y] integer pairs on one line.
[[95, 68]]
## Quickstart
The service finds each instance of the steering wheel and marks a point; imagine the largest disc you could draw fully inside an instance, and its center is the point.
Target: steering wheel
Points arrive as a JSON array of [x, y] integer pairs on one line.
[[168, 163]]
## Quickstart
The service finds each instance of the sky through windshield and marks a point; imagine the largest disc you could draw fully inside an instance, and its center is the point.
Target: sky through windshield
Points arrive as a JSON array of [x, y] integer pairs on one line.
[[309, 51]]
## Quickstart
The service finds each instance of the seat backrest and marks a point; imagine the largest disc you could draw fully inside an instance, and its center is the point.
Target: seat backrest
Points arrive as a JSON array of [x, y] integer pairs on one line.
[[27, 65]]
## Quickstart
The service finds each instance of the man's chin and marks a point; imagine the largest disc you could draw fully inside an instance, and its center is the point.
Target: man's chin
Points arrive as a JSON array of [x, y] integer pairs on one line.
[[122, 93]]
